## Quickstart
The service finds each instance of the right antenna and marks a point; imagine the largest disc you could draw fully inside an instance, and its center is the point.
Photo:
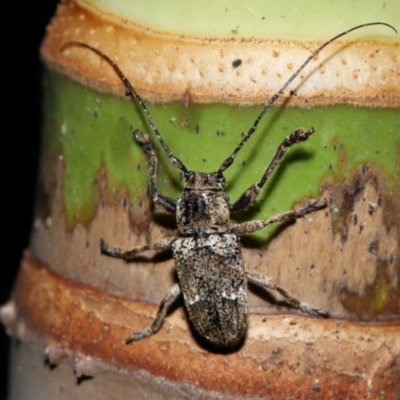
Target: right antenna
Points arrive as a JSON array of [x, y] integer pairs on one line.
[[228, 162]]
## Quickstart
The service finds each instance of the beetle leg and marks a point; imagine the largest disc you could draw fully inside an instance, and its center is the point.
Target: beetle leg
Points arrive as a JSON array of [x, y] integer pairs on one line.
[[168, 299], [166, 203], [295, 303], [248, 197], [290, 216], [129, 255]]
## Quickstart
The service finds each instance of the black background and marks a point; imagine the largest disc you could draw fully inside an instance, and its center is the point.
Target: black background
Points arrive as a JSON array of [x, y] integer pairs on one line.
[[24, 26]]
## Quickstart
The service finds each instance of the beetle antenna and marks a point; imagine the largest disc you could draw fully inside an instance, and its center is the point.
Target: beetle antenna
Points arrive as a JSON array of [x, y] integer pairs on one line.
[[227, 163], [134, 95]]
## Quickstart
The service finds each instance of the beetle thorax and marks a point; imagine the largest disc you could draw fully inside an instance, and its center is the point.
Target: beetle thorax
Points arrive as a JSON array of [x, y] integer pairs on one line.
[[203, 206]]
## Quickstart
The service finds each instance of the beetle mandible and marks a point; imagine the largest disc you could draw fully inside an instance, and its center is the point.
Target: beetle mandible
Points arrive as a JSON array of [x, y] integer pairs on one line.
[[208, 256]]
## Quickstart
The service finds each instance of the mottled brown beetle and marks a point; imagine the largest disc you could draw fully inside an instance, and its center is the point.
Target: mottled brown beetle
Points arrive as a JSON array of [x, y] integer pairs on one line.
[[208, 256]]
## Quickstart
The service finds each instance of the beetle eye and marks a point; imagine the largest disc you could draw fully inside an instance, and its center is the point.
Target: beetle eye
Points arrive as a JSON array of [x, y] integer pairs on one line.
[[189, 176], [218, 177]]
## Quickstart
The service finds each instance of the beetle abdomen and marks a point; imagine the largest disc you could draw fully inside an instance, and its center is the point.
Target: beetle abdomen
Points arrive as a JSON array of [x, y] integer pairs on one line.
[[220, 320], [213, 282]]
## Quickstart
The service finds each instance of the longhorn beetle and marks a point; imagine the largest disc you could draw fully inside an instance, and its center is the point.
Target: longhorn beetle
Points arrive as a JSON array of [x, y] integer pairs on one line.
[[208, 255]]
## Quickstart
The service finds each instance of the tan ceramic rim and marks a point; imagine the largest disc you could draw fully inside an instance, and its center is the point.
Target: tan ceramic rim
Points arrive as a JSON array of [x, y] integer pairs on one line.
[[165, 67], [90, 323]]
